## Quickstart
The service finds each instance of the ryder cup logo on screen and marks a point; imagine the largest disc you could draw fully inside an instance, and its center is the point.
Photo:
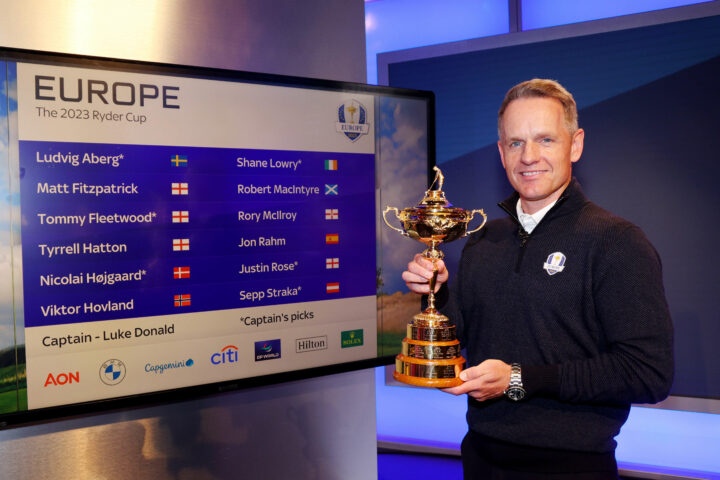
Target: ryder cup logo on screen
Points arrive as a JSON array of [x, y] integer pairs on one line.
[[352, 120], [267, 350], [112, 372]]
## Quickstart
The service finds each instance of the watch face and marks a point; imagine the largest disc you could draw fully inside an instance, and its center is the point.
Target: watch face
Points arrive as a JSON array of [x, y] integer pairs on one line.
[[515, 393]]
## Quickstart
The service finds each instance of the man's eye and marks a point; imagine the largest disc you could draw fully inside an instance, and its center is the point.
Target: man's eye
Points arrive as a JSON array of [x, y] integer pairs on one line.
[[546, 140], [515, 144]]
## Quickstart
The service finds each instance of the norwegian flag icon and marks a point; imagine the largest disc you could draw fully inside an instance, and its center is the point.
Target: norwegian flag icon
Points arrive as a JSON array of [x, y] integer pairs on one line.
[[182, 300], [180, 216], [179, 188]]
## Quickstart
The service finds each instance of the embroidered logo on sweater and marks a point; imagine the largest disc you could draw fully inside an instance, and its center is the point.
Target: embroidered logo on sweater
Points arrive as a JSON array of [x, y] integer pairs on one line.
[[555, 263]]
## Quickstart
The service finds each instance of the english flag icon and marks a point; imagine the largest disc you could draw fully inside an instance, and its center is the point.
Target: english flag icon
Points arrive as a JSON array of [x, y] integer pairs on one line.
[[180, 216], [179, 188], [181, 244]]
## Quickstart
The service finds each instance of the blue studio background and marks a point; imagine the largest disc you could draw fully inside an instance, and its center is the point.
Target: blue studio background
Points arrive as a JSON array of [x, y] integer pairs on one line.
[[648, 101]]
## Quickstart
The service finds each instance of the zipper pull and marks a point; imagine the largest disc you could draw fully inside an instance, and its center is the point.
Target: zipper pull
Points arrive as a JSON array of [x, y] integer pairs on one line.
[[524, 236]]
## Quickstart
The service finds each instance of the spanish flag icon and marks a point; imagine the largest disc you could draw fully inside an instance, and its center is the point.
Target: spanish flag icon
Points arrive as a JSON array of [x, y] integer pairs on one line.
[[331, 238]]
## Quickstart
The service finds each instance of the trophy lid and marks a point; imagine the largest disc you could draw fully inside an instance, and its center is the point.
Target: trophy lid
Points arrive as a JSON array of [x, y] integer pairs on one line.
[[435, 198]]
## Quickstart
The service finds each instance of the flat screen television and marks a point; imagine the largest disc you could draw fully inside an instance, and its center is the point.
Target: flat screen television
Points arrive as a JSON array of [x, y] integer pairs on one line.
[[169, 231]]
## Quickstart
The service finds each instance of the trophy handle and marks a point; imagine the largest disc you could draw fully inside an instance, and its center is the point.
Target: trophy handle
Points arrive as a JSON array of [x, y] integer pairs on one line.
[[472, 214], [397, 215]]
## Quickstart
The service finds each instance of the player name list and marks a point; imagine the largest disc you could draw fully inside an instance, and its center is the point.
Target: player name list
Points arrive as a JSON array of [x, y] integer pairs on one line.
[[120, 231]]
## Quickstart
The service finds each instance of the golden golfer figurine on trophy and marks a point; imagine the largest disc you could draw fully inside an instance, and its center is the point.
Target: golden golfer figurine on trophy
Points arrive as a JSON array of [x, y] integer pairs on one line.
[[431, 352]]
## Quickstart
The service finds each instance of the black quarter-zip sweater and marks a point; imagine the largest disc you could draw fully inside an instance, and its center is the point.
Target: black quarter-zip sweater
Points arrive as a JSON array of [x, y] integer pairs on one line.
[[591, 339]]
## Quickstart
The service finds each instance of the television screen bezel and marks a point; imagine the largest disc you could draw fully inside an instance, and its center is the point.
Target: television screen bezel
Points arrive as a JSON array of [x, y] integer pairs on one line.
[[176, 395]]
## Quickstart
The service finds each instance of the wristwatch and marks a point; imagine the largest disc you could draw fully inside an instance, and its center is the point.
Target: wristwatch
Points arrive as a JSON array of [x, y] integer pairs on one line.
[[515, 390]]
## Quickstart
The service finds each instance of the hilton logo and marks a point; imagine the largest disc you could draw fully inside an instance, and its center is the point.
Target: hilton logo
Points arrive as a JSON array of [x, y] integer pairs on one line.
[[311, 344]]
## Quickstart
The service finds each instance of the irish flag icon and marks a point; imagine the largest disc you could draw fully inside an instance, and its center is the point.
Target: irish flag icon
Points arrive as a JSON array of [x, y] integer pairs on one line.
[[331, 164]]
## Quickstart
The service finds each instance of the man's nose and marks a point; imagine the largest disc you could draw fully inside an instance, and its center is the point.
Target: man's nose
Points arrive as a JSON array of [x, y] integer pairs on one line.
[[530, 153]]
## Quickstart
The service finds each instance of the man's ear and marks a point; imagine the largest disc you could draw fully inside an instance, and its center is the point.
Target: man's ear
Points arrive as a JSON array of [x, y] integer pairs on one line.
[[502, 157], [578, 142]]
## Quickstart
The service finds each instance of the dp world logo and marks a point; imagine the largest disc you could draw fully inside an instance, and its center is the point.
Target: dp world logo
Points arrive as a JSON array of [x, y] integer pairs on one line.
[[352, 120], [112, 372], [267, 350]]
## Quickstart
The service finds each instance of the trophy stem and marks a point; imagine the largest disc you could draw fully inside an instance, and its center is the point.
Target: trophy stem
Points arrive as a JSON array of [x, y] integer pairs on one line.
[[431, 295], [433, 254]]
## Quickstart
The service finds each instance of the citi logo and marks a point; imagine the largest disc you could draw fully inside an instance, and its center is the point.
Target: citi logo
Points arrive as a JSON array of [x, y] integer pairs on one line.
[[62, 378], [229, 354]]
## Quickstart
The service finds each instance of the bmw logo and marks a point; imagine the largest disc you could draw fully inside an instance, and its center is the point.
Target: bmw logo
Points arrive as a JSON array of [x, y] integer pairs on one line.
[[112, 372]]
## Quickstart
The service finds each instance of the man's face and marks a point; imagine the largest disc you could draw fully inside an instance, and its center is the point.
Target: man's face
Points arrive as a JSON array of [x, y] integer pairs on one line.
[[537, 150]]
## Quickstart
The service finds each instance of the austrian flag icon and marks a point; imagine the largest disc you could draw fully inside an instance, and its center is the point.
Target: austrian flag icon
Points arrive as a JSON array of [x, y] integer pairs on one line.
[[332, 287], [180, 216], [179, 188]]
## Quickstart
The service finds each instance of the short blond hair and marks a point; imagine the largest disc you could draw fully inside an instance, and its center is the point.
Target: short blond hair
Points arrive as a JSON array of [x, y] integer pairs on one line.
[[542, 88]]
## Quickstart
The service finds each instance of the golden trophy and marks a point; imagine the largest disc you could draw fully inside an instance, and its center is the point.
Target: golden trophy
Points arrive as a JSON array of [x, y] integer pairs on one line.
[[431, 351]]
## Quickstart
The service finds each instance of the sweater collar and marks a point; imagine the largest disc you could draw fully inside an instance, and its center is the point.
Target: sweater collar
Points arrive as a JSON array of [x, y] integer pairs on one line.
[[570, 199]]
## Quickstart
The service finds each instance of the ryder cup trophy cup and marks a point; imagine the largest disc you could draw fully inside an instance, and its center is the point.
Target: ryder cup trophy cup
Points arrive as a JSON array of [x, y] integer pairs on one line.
[[431, 352]]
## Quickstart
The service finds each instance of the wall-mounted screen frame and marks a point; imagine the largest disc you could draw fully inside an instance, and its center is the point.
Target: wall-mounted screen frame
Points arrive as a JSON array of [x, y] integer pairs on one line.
[[171, 231]]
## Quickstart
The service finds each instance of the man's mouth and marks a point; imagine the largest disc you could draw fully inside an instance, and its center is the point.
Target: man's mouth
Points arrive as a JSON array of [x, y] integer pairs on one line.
[[530, 174]]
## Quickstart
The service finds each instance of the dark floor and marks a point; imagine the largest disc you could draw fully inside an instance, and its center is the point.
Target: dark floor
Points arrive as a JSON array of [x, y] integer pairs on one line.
[[394, 466]]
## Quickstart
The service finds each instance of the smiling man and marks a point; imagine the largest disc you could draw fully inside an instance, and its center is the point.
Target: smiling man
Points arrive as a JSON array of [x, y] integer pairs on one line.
[[560, 307]]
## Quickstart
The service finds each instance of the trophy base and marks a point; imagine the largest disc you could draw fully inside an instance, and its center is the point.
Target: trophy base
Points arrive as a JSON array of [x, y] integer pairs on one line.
[[428, 373], [427, 382]]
